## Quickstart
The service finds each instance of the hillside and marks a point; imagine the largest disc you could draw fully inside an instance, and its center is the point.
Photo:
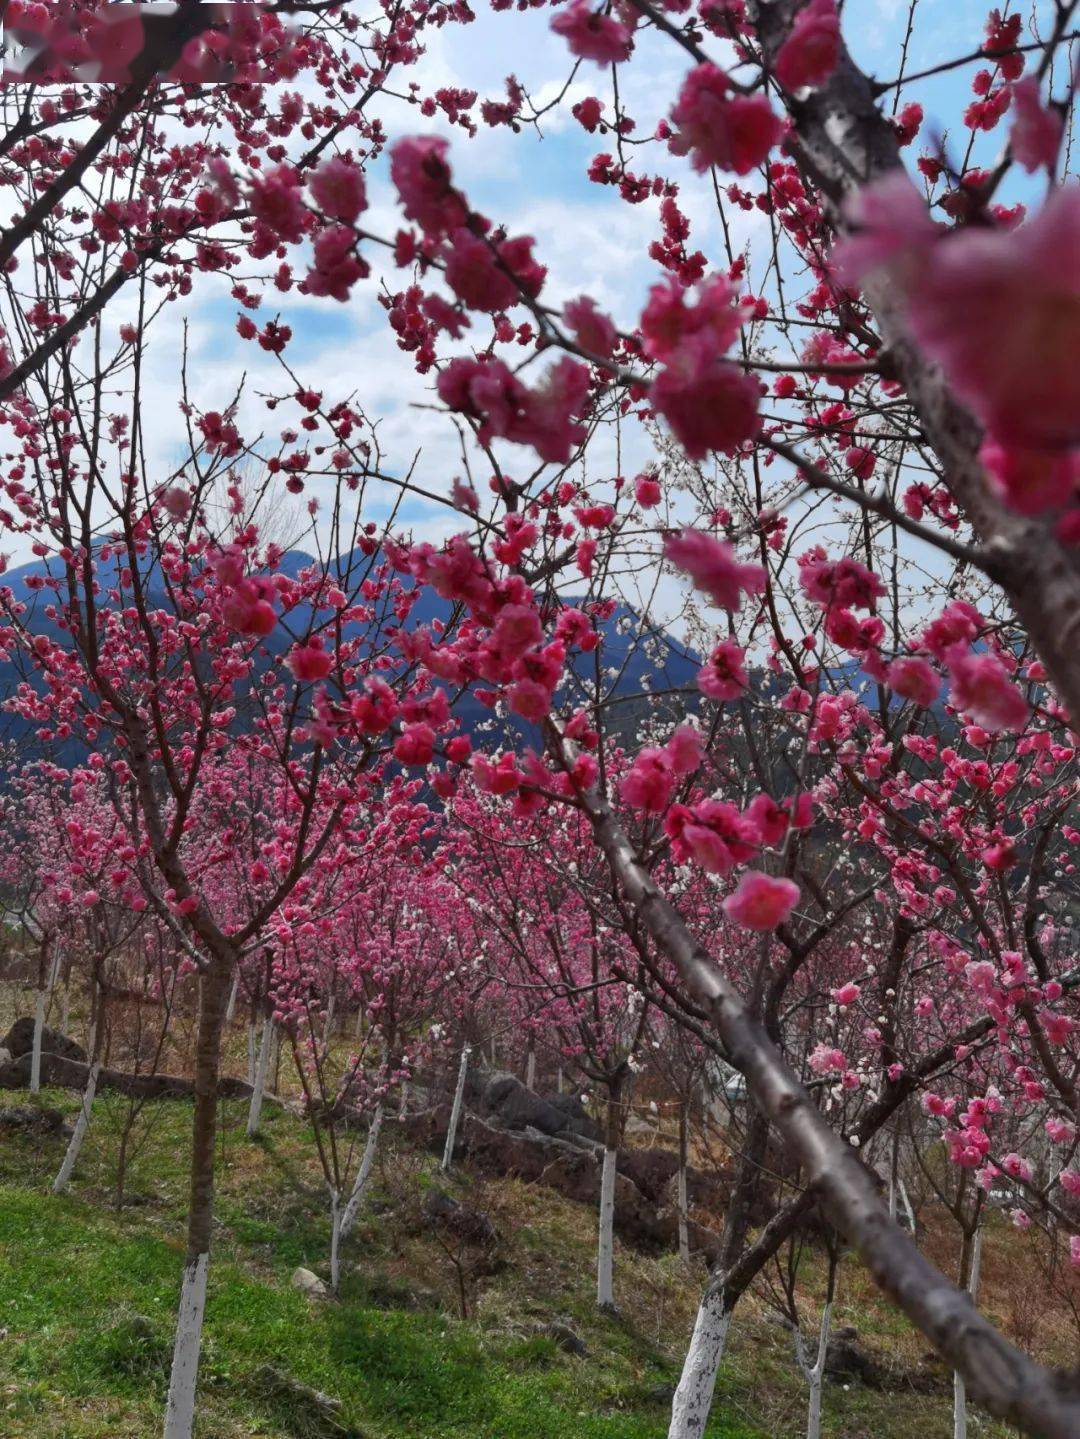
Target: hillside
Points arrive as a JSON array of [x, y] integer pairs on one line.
[[87, 1296]]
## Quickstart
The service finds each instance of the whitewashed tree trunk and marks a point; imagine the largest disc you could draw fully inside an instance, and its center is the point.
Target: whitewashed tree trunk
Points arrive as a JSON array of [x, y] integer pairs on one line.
[[605, 1249], [259, 1083], [82, 1124], [530, 1068], [251, 1051], [559, 1081], [455, 1111], [693, 1398], [41, 1003], [363, 1174], [905, 1200], [230, 1008], [403, 1102], [816, 1377], [180, 1407], [959, 1387], [335, 1239]]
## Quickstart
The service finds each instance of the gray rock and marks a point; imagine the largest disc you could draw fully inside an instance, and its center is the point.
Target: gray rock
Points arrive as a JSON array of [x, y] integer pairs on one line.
[[309, 1284], [565, 1337], [20, 1040]]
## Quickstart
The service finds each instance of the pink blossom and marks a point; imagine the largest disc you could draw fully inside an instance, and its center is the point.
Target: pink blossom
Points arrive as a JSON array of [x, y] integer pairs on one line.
[[1069, 1179], [309, 661], [913, 679], [591, 34], [888, 222], [489, 276], [337, 187], [1016, 1166], [337, 266], [685, 750], [248, 609], [714, 567], [723, 676], [647, 491], [1032, 481], [809, 54], [980, 686], [710, 404], [415, 745], [826, 1060], [761, 901], [649, 782], [982, 302], [276, 202], [713, 834], [847, 993], [1035, 137], [421, 175], [594, 330], [716, 126]]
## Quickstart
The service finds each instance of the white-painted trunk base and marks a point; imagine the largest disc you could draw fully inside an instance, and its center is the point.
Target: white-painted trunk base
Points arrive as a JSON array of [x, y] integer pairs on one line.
[[259, 1085], [605, 1248], [693, 1398], [183, 1381], [455, 1111], [35, 1055], [363, 1174], [335, 1240], [530, 1070], [82, 1124], [959, 1423]]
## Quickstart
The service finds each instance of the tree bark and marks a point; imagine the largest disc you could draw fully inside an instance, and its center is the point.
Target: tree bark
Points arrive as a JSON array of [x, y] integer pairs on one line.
[[82, 1123], [684, 1226], [259, 1085]]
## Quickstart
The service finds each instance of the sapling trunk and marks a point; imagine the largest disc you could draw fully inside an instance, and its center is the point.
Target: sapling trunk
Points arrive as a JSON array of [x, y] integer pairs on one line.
[[816, 1376], [530, 1067], [605, 1247], [41, 1003], [82, 1123], [971, 1260], [258, 1087], [363, 1174], [183, 1380], [403, 1103], [455, 1110], [335, 1239], [251, 1051]]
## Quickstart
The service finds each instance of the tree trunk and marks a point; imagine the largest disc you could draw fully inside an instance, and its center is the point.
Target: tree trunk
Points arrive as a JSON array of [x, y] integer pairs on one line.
[[455, 1110], [971, 1262], [816, 1377], [180, 1407], [403, 1103], [684, 1226], [259, 1083], [41, 1003], [82, 1123], [251, 1051], [605, 1247], [363, 1174], [335, 1239], [693, 1398], [530, 1066]]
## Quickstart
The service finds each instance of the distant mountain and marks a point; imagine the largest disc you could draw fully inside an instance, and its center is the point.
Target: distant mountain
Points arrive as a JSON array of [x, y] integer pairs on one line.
[[636, 660]]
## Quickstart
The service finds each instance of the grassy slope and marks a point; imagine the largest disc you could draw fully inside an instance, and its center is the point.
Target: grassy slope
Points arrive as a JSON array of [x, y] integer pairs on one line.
[[87, 1296]]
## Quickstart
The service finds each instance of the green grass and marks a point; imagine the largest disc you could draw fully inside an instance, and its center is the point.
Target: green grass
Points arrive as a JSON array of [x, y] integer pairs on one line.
[[87, 1294]]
